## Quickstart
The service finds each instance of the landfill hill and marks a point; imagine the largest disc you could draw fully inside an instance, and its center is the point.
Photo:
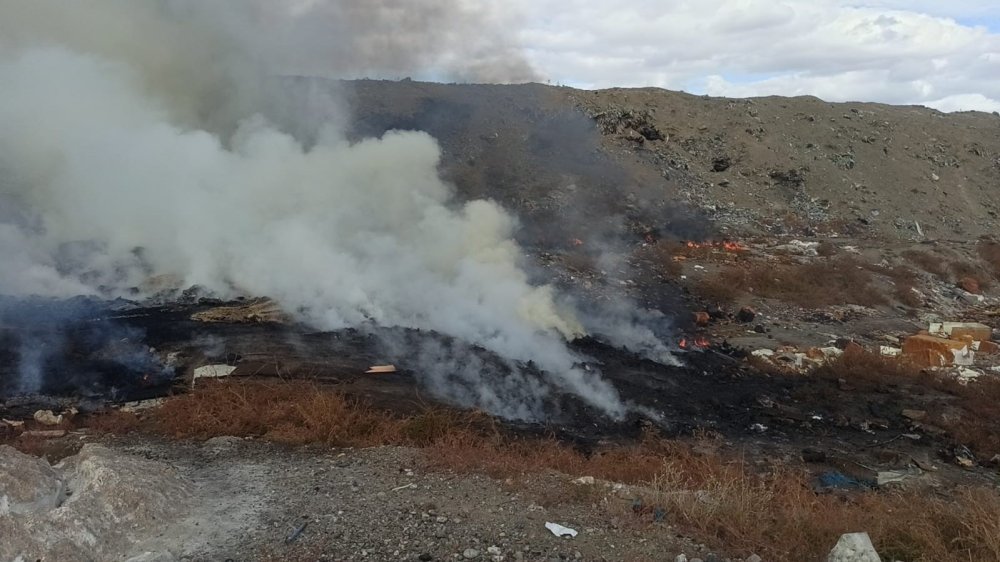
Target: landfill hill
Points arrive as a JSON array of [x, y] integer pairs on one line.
[[773, 165]]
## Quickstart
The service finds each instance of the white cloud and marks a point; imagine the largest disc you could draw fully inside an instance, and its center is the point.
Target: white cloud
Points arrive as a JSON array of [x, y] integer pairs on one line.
[[870, 50]]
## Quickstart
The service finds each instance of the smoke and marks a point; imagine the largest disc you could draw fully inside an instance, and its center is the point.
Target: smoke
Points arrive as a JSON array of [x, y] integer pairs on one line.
[[59, 344], [133, 144]]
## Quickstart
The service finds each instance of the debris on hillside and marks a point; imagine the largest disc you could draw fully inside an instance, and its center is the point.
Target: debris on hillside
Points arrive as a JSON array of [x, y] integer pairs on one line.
[[633, 124], [253, 311]]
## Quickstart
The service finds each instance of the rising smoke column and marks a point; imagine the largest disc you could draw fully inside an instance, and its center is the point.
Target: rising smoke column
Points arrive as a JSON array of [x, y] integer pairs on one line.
[[122, 161]]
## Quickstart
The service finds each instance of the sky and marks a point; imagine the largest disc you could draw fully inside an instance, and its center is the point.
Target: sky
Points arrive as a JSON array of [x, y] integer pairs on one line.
[[940, 53]]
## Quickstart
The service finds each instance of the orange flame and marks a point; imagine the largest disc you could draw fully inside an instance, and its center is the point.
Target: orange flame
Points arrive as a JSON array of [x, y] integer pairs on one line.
[[702, 342], [725, 245], [683, 344]]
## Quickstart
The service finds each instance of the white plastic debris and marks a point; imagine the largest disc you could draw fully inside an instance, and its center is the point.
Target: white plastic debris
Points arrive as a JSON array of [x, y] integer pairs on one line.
[[47, 417], [140, 405], [585, 480], [381, 369], [762, 352], [213, 371], [964, 357], [560, 531], [965, 375], [889, 351]]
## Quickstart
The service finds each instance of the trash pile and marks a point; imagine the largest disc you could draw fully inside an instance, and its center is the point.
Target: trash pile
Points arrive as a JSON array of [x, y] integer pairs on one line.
[[948, 347]]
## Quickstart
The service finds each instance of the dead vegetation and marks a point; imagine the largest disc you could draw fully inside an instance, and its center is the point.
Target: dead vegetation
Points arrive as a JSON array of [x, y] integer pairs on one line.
[[720, 499], [839, 280], [969, 412]]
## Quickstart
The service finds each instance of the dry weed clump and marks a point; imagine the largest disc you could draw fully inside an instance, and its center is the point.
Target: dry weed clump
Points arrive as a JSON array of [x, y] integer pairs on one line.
[[277, 411], [930, 262], [812, 285], [989, 251]]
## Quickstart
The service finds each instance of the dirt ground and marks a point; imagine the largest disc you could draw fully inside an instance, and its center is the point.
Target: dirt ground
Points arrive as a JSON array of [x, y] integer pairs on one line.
[[383, 504]]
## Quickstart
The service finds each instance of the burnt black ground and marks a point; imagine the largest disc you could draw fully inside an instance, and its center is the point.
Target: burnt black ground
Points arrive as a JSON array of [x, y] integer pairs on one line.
[[713, 391]]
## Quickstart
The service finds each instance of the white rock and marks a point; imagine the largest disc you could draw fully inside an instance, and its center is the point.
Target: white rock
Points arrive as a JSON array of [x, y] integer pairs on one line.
[[470, 553], [27, 484], [854, 547], [585, 480], [681, 558]]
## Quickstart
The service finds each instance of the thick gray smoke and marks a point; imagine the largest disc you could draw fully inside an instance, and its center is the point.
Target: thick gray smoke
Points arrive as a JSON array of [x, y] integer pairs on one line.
[[130, 147]]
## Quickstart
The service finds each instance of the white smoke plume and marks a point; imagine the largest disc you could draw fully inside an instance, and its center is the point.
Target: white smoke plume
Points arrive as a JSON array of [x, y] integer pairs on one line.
[[129, 148]]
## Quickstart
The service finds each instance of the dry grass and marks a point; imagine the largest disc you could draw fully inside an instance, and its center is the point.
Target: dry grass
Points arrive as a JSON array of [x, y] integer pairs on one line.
[[811, 285], [973, 413], [989, 251], [929, 262], [299, 413], [863, 366], [718, 499]]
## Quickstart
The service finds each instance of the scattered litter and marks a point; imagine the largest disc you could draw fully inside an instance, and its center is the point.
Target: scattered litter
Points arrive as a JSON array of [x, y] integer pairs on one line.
[[212, 372], [585, 480], [758, 428], [854, 547], [962, 456], [896, 476], [254, 311], [659, 515], [45, 433], [295, 534], [404, 487], [381, 369], [47, 417], [13, 423], [835, 480], [763, 353], [560, 531], [140, 405], [889, 351]]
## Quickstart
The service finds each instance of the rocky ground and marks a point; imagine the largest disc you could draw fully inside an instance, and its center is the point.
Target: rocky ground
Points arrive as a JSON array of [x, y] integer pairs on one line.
[[236, 499]]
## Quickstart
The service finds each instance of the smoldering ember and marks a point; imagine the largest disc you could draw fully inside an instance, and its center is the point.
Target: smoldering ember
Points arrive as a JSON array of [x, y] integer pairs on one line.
[[256, 306]]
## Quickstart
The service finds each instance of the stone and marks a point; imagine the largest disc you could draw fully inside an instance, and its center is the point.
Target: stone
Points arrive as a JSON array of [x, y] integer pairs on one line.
[[746, 315], [470, 553], [27, 484], [702, 318], [585, 481], [915, 415], [969, 284], [116, 497], [754, 558], [681, 558], [854, 547]]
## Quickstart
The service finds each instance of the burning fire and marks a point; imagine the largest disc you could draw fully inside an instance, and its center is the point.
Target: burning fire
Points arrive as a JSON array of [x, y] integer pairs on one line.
[[725, 245], [700, 342]]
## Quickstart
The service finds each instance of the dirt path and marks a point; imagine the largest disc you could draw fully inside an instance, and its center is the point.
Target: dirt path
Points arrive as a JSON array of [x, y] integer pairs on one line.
[[381, 504]]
